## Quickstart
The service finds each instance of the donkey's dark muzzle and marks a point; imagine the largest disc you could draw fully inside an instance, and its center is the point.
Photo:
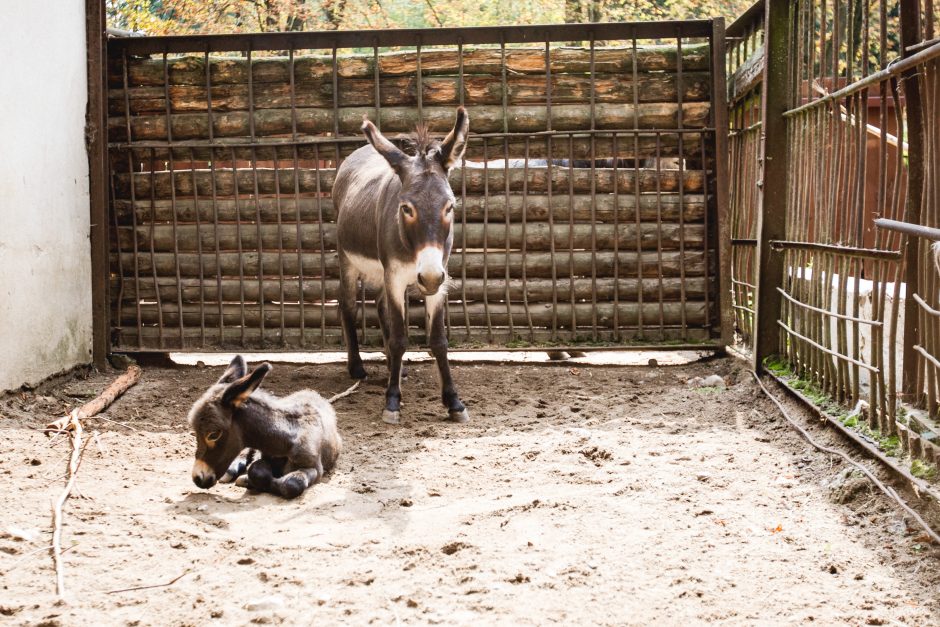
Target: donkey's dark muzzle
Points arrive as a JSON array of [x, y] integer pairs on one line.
[[203, 476], [430, 282]]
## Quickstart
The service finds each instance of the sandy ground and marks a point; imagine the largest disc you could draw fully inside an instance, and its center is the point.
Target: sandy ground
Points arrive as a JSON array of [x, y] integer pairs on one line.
[[578, 495]]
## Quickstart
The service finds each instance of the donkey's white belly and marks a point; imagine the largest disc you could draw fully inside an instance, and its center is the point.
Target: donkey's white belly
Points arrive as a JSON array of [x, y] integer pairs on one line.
[[370, 270]]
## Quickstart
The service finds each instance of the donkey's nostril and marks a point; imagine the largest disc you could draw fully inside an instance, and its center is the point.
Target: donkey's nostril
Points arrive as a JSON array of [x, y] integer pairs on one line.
[[204, 481]]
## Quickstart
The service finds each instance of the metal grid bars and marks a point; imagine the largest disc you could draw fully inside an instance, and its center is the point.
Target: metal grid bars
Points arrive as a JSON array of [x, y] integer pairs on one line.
[[847, 165], [589, 196], [746, 60]]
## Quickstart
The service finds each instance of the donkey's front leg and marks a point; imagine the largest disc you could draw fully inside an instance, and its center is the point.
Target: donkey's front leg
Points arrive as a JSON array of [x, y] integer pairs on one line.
[[396, 345], [347, 311], [438, 341]]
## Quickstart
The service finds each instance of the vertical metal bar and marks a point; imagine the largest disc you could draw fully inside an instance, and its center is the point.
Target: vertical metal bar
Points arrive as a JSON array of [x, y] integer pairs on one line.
[[212, 182], [719, 118], [486, 228], [132, 173], [660, 271], [571, 275], [201, 260], [772, 208], [280, 242], [910, 35], [525, 208], [505, 111], [637, 197], [241, 256], [153, 256], [719, 156], [96, 125], [549, 175], [594, 201], [376, 77], [319, 192], [302, 296], [463, 202], [119, 298], [172, 169], [639, 284], [256, 197]]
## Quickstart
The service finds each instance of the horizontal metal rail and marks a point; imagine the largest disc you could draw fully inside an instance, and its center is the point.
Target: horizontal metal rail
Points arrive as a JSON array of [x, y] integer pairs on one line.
[[907, 228], [828, 351], [799, 303], [478, 35], [893, 70], [309, 140], [846, 251]]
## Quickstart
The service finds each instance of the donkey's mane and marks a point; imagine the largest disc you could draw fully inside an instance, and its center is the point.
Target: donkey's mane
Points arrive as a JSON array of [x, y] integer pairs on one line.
[[420, 139]]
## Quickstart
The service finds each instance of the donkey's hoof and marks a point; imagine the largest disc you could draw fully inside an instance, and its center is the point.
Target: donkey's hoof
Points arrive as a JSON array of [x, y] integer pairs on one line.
[[357, 372], [391, 417], [242, 481], [460, 415]]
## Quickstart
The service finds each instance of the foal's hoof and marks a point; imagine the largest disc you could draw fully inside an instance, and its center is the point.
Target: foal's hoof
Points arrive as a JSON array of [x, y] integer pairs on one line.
[[391, 417], [459, 415], [242, 481]]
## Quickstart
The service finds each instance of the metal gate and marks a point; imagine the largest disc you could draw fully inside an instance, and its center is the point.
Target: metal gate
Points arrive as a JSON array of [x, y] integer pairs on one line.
[[591, 198]]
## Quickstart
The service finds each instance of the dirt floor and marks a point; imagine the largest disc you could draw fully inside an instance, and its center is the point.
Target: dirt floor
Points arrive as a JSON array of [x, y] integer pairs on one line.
[[574, 495]]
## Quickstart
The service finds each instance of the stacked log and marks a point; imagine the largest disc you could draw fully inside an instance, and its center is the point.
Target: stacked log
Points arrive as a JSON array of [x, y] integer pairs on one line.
[[223, 229]]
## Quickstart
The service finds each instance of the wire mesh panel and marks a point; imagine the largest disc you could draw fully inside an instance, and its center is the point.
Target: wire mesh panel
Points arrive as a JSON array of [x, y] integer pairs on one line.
[[745, 74], [588, 198]]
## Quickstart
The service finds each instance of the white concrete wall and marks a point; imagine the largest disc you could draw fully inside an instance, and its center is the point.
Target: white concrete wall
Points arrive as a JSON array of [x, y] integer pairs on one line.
[[45, 268]]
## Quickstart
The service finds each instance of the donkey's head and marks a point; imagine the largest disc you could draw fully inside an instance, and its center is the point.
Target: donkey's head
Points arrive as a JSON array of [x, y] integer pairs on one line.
[[426, 202], [219, 437]]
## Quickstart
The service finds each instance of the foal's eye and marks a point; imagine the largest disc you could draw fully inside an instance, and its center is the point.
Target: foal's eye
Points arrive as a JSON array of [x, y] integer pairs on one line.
[[213, 436], [408, 210], [449, 210]]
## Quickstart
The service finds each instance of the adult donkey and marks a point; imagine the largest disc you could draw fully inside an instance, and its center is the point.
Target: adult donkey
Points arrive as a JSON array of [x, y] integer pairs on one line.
[[395, 228]]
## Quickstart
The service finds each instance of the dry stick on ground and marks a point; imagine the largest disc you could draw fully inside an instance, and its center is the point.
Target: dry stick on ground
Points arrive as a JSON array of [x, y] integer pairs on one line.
[[73, 426], [100, 403], [345, 393]]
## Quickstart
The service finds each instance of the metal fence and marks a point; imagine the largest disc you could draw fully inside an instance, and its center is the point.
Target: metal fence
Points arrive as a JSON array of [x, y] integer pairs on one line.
[[590, 198], [745, 67], [851, 108]]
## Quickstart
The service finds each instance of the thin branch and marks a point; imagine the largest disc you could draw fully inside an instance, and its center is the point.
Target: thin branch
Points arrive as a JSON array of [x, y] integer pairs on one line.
[[437, 18], [157, 585]]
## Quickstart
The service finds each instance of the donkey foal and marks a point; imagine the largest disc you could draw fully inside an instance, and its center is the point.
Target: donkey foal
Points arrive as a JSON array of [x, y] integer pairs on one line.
[[296, 435]]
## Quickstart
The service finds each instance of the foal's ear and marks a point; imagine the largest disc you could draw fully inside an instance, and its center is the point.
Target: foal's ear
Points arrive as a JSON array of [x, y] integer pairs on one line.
[[236, 369], [453, 146], [239, 390], [395, 156]]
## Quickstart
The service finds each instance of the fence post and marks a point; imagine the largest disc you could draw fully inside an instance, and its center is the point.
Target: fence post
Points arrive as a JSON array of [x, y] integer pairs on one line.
[[910, 35], [96, 141], [772, 193], [722, 179]]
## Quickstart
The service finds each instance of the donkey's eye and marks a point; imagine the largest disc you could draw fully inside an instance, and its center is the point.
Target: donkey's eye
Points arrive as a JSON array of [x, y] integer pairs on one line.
[[408, 210], [449, 210], [213, 436]]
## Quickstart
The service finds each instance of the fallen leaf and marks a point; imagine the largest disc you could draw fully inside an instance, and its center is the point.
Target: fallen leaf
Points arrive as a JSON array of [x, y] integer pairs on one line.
[[777, 529]]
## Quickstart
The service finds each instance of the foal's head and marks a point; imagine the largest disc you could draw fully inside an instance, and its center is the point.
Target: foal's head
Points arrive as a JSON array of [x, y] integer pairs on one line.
[[426, 202], [218, 436]]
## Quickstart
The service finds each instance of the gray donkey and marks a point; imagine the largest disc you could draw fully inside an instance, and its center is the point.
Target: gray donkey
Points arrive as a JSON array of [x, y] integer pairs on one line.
[[296, 435], [395, 218]]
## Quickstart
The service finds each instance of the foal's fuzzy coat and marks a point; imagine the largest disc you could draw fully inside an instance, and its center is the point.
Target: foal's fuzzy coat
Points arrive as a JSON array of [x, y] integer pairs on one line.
[[296, 435]]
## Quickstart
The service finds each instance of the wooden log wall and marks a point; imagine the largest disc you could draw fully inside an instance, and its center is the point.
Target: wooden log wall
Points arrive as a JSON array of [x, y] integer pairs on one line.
[[223, 229]]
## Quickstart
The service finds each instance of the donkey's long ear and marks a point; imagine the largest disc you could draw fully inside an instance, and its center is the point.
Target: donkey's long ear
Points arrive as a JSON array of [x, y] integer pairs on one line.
[[239, 390], [395, 157], [453, 146], [236, 369]]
